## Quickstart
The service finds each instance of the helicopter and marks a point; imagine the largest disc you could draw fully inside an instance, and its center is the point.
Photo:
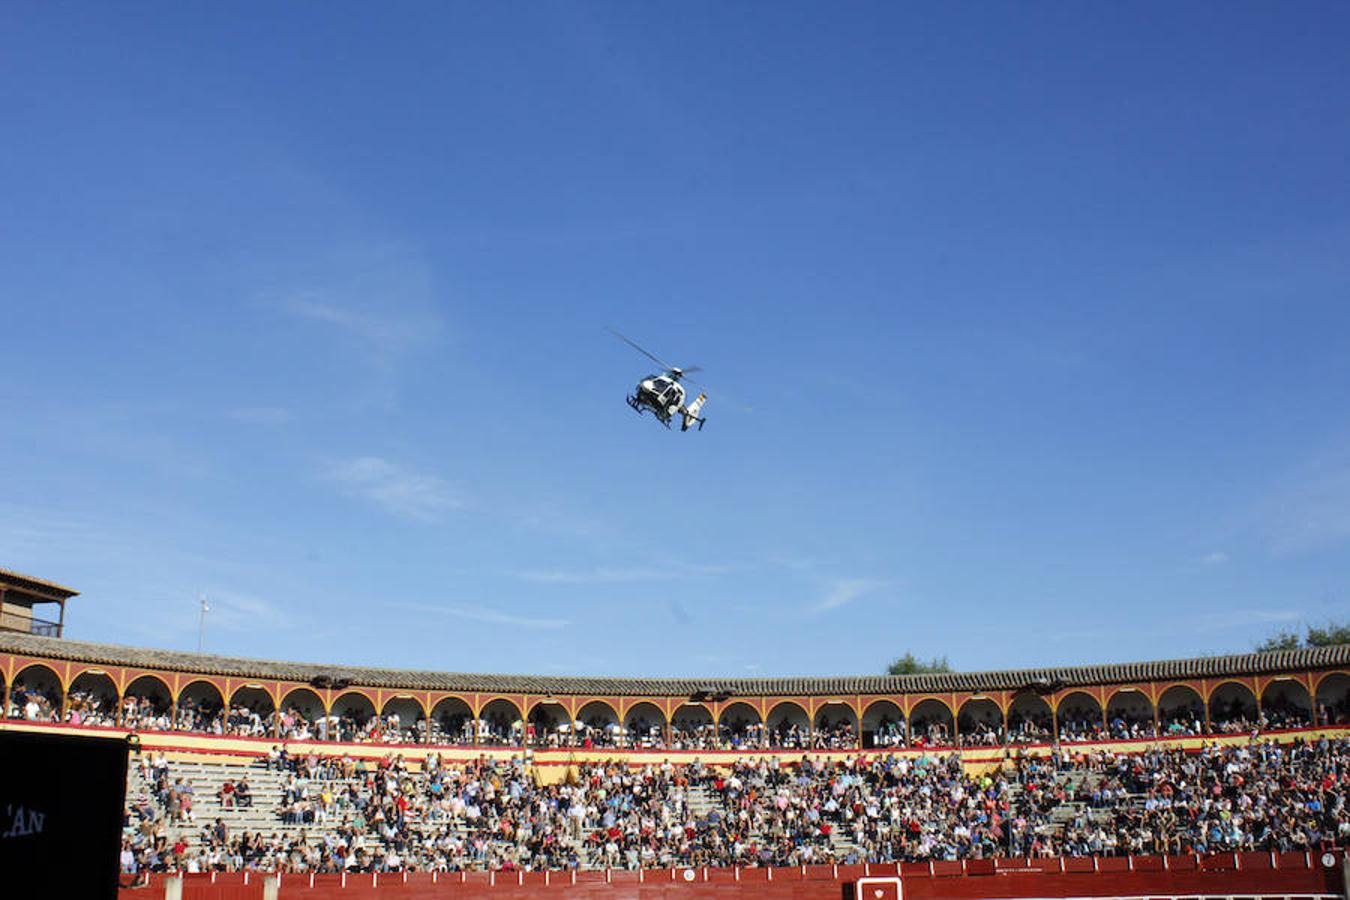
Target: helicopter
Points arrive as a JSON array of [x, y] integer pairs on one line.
[[663, 393]]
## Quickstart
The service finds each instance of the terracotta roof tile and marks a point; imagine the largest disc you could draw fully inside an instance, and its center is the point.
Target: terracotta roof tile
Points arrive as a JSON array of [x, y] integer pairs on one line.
[[20, 580], [1014, 679]]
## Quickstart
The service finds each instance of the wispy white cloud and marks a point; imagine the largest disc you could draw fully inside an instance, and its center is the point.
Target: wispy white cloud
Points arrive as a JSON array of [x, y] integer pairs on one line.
[[1241, 618], [795, 562], [29, 528], [394, 489], [178, 619], [1216, 558], [238, 611], [145, 435], [1084, 634], [1311, 511], [376, 303], [488, 616], [594, 576], [260, 415], [383, 331], [564, 522], [607, 575], [845, 590]]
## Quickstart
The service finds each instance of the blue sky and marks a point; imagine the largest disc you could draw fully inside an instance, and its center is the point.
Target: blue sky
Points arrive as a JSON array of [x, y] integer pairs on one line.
[[1035, 314]]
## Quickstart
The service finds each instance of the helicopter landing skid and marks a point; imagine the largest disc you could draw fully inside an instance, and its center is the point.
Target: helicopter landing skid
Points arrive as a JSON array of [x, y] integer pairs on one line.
[[641, 408]]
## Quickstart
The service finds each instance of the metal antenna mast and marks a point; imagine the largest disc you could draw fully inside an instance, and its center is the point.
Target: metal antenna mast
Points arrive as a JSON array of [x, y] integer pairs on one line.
[[201, 622]]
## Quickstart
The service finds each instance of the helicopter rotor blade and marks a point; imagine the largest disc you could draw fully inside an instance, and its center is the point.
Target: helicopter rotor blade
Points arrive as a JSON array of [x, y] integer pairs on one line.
[[652, 356], [681, 374], [722, 397]]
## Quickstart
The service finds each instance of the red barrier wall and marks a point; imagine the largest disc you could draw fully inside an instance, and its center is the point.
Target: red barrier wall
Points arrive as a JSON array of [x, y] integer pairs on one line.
[[1243, 874]]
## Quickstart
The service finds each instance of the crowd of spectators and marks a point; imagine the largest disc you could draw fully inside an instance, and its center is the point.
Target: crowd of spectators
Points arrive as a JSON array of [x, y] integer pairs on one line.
[[152, 711], [838, 735], [980, 732], [1261, 795], [1030, 727], [87, 707], [890, 733], [931, 732], [33, 704]]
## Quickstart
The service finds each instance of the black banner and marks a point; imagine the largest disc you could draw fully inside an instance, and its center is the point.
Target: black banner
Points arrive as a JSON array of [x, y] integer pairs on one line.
[[61, 807]]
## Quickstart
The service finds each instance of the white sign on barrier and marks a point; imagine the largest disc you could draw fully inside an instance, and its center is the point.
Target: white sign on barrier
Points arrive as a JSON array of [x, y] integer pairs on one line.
[[878, 888]]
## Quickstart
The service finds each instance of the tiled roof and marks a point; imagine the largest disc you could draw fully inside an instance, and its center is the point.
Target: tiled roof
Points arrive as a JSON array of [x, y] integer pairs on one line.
[[542, 685], [39, 585]]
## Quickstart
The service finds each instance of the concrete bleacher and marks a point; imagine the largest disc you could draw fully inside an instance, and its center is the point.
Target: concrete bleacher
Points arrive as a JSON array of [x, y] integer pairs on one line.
[[207, 776], [267, 786]]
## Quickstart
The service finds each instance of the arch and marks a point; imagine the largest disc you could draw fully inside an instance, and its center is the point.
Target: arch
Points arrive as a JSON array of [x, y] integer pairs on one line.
[[200, 708], [302, 715], [548, 724], [91, 699], [500, 723], [36, 694], [451, 722], [645, 724], [835, 726], [597, 724], [1129, 714], [598, 711], [357, 703], [1030, 719], [148, 684], [353, 713], [1181, 711], [500, 703], [253, 697], [739, 727], [252, 713], [403, 720], [931, 723], [1333, 698], [979, 722], [1232, 708], [1285, 703], [147, 703], [1080, 717], [692, 727], [883, 725], [788, 726]]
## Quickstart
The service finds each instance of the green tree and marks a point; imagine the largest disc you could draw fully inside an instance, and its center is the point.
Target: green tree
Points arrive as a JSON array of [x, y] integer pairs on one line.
[[909, 664], [1327, 635], [1281, 640]]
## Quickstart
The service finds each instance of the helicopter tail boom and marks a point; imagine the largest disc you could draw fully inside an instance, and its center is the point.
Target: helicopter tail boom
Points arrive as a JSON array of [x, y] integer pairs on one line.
[[691, 413]]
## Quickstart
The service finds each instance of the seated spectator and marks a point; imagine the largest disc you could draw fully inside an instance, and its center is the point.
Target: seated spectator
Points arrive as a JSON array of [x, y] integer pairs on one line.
[[767, 810]]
